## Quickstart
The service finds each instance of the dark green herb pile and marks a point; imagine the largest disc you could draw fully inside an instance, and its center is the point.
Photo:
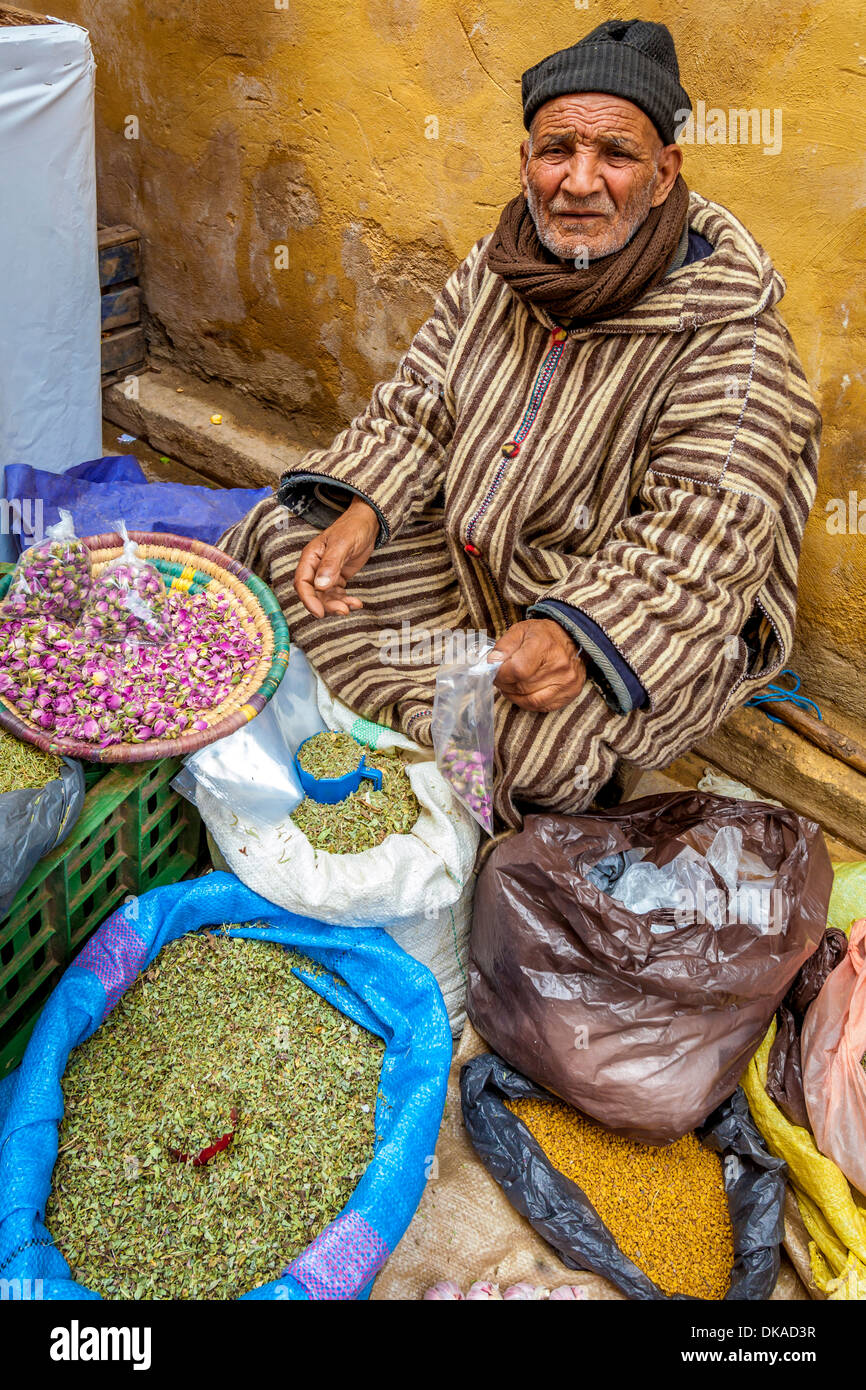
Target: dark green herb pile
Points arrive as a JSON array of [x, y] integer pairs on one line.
[[363, 819], [215, 1025], [23, 766]]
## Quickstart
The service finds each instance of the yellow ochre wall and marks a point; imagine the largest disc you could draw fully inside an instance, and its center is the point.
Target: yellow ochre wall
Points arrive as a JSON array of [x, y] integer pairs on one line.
[[312, 126]]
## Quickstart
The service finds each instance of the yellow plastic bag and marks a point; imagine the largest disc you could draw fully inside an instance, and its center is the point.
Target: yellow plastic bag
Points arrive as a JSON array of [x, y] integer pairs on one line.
[[835, 1222], [848, 896]]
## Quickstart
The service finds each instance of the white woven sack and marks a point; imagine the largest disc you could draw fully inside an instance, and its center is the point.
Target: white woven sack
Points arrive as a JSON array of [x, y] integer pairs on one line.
[[417, 886]]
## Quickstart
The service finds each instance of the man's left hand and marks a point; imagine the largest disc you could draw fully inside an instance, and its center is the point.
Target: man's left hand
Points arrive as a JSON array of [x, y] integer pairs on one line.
[[543, 670]]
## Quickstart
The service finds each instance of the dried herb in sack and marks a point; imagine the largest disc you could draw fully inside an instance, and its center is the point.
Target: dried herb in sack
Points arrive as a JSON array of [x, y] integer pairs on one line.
[[216, 1027], [367, 816], [24, 767], [665, 1207], [330, 754]]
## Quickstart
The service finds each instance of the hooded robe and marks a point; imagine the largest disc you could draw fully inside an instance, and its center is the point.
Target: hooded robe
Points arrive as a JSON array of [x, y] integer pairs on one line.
[[655, 504]]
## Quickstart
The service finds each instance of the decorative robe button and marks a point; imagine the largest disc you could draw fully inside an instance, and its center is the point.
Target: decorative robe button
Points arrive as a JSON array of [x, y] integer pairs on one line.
[[511, 449], [470, 548]]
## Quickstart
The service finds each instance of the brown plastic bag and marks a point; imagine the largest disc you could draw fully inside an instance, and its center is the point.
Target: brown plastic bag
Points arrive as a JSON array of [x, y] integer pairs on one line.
[[647, 1031], [810, 981], [785, 1070], [784, 1067]]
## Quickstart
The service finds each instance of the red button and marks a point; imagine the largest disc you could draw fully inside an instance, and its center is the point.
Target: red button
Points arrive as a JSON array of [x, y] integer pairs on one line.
[[470, 548], [511, 449]]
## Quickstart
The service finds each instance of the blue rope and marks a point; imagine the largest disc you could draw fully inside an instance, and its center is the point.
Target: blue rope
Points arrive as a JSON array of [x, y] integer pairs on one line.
[[780, 694]]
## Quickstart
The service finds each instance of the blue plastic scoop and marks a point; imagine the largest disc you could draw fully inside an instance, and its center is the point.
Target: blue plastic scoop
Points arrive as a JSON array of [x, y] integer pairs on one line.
[[330, 790]]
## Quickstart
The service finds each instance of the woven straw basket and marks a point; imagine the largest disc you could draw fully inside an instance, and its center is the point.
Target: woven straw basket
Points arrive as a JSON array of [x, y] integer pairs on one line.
[[191, 566]]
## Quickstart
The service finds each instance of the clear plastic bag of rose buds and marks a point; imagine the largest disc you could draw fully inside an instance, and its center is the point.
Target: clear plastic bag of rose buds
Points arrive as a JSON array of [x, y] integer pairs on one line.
[[52, 578], [462, 730], [127, 604]]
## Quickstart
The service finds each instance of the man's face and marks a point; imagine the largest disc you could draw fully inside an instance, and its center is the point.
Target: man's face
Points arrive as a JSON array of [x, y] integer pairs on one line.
[[592, 169]]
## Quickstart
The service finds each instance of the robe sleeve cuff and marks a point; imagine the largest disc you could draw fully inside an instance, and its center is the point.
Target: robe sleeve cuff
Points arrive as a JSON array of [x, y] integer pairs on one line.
[[306, 495], [606, 667]]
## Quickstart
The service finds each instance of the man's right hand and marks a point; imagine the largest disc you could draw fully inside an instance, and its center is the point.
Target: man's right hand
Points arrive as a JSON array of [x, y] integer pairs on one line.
[[329, 561]]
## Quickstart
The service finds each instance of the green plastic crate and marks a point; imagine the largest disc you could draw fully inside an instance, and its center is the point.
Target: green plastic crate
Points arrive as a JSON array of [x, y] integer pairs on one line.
[[93, 773], [133, 833]]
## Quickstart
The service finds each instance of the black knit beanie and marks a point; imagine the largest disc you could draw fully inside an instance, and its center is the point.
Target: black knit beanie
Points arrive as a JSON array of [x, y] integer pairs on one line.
[[630, 58]]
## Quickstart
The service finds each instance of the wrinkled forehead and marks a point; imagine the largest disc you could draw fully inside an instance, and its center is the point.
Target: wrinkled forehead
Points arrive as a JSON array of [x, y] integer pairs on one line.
[[589, 117]]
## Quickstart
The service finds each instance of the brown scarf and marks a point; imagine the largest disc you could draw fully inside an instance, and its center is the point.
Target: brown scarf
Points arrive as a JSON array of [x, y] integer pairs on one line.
[[606, 286]]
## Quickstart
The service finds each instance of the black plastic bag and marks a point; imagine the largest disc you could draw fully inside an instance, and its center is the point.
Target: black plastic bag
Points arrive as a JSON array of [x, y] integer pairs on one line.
[[561, 1213], [32, 823]]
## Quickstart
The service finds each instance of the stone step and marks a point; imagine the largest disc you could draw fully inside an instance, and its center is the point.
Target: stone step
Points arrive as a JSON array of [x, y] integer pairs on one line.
[[172, 411]]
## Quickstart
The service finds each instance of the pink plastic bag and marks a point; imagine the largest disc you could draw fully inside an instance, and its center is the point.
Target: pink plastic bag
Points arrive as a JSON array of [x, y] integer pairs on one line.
[[834, 1078]]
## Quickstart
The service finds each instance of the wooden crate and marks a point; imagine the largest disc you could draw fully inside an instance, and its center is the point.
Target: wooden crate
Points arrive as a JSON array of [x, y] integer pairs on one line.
[[121, 307], [124, 348], [123, 351], [119, 255]]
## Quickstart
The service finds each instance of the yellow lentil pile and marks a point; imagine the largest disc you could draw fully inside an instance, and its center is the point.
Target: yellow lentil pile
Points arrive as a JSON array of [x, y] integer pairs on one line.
[[665, 1207]]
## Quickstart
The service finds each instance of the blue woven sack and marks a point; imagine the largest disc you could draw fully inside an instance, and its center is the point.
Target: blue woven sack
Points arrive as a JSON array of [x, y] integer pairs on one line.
[[380, 988]]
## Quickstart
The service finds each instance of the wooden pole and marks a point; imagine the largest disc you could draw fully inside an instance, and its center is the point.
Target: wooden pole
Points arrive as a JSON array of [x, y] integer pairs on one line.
[[829, 740]]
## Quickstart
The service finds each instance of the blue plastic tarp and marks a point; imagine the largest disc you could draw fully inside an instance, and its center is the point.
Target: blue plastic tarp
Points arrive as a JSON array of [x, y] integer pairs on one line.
[[371, 980], [100, 492]]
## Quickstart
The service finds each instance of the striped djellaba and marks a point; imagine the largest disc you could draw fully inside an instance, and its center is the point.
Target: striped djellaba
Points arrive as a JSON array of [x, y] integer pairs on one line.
[[665, 466]]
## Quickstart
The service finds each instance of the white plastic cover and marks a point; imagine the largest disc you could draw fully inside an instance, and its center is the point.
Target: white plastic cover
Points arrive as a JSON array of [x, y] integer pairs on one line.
[[50, 390]]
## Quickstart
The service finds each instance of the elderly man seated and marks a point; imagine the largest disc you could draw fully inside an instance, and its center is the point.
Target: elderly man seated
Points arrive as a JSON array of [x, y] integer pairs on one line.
[[601, 449]]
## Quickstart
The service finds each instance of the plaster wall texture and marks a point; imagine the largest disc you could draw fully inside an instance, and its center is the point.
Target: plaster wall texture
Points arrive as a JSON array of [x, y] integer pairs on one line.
[[305, 176]]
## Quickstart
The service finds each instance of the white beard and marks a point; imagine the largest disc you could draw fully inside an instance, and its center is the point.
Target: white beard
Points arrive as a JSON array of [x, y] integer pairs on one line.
[[565, 247]]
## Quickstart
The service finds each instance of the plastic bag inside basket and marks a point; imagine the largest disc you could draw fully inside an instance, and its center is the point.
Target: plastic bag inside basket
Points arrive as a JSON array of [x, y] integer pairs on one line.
[[127, 600], [52, 578]]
